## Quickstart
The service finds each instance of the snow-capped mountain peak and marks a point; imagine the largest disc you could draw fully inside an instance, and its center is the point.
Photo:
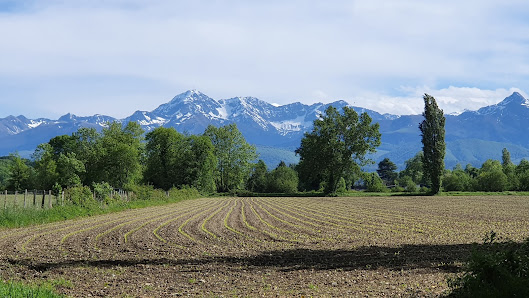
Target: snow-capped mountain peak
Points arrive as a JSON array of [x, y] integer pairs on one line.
[[514, 101]]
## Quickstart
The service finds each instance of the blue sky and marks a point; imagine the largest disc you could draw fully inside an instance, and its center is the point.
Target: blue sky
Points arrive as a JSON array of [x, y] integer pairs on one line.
[[114, 57]]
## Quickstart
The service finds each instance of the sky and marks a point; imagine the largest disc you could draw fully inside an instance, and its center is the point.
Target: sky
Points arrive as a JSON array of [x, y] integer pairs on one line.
[[114, 57]]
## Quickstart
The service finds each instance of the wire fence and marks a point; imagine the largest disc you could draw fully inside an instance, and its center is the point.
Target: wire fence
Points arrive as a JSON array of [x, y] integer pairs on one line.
[[46, 199]]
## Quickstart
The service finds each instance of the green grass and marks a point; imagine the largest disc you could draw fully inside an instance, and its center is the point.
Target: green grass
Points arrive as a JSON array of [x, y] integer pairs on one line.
[[18, 289], [19, 217], [10, 201]]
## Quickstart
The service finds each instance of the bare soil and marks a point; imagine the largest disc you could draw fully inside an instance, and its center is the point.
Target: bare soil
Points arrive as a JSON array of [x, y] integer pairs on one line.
[[353, 247]]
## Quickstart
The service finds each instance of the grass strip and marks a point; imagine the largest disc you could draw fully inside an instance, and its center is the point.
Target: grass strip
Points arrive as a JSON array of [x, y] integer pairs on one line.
[[12, 218], [18, 289]]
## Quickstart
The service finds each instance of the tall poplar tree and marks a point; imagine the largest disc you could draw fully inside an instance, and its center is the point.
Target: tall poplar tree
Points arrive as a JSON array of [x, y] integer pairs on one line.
[[433, 141]]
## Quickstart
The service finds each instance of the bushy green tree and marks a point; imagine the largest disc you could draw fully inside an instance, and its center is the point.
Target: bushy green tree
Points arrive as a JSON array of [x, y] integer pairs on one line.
[[4, 172], [283, 179], [522, 175], [19, 173], [162, 160], [69, 169], [471, 171], [258, 177], [386, 171], [342, 186], [407, 183], [88, 149], [234, 156], [121, 150], [492, 177], [45, 166], [457, 180], [414, 168], [200, 164], [175, 160], [433, 140], [373, 183], [336, 146]]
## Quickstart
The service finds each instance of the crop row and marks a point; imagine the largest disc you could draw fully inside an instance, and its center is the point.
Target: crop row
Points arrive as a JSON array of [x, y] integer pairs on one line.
[[220, 223]]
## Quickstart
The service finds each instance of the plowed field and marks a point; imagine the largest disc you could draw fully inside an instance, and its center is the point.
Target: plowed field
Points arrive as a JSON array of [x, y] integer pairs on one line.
[[397, 246]]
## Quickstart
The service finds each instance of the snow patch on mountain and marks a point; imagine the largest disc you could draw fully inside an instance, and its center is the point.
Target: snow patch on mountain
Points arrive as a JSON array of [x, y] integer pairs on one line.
[[34, 123], [293, 125]]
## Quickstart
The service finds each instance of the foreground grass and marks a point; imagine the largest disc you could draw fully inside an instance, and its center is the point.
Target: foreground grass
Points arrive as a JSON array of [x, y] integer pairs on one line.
[[18, 289], [11, 218]]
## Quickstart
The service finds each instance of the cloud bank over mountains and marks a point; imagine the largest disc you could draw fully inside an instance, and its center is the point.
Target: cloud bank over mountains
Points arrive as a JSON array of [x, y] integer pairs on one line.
[[87, 56]]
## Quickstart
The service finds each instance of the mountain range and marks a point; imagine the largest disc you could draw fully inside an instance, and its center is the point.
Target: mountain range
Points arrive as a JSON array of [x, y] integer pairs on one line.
[[472, 137]]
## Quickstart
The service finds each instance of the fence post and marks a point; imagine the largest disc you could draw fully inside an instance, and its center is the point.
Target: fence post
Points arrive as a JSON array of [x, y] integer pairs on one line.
[[25, 196], [34, 198], [5, 200], [43, 198], [15, 200], [62, 198], [50, 199]]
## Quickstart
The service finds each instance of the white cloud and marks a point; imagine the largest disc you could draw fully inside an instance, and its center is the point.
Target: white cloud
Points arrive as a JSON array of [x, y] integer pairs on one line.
[[117, 53], [452, 100]]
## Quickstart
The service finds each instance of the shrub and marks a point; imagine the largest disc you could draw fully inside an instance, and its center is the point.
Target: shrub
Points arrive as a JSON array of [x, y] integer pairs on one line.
[[495, 270], [341, 188], [79, 195], [373, 183], [103, 192], [408, 184], [457, 180], [283, 179]]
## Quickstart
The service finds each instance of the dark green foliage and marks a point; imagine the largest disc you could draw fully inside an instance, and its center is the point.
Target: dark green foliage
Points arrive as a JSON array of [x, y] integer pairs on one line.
[[45, 166], [19, 173], [283, 179], [373, 183], [234, 156], [162, 156], [505, 158], [471, 171], [522, 174], [149, 193], [408, 184], [414, 169], [69, 169], [457, 180], [433, 140], [342, 186], [79, 195], [498, 269], [200, 164], [102, 191], [4, 172], [386, 171], [119, 159], [88, 150], [492, 177], [335, 148], [258, 178], [175, 160], [87, 156]]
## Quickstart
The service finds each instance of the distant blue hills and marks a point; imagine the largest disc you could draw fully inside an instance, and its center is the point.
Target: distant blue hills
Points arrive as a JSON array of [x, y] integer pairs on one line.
[[472, 137]]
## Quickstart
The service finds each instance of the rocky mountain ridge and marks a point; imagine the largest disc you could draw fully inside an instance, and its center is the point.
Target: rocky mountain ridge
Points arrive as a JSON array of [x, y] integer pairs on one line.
[[504, 124]]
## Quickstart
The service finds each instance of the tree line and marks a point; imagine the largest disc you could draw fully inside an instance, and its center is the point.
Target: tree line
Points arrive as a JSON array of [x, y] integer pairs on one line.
[[220, 160]]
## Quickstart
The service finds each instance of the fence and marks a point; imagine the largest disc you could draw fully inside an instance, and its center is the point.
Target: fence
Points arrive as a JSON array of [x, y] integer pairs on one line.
[[45, 199]]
